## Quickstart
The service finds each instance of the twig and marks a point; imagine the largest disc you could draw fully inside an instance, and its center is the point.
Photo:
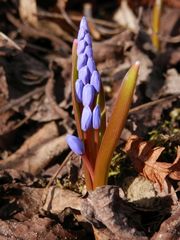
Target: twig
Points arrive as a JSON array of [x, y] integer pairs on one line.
[[61, 5], [78, 19], [30, 31], [49, 94], [21, 100], [150, 104], [55, 176], [32, 112]]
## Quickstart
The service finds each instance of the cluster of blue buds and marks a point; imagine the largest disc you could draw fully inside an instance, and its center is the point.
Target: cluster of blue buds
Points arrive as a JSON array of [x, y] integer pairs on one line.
[[87, 86]]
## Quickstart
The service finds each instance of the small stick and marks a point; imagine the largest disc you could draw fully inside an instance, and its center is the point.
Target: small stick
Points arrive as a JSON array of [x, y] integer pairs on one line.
[[54, 176]]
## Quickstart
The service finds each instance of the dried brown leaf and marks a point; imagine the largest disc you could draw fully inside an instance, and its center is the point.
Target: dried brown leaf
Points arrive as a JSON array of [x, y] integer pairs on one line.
[[175, 174], [37, 151], [171, 85], [28, 12], [4, 91], [58, 199], [6, 42], [105, 207], [35, 228], [169, 228], [145, 157]]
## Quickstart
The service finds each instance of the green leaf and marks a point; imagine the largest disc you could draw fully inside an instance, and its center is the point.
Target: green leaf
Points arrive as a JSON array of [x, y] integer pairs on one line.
[[101, 102], [115, 126]]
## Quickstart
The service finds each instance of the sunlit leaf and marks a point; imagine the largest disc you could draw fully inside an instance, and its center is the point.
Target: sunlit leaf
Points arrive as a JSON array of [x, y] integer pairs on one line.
[[115, 126]]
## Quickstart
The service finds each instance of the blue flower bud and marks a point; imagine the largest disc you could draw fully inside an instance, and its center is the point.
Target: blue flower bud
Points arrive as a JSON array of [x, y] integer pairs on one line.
[[88, 39], [88, 95], [95, 81], [86, 118], [84, 24], [81, 61], [84, 74], [79, 89], [91, 65], [81, 33], [81, 46], [76, 145], [88, 51], [96, 117]]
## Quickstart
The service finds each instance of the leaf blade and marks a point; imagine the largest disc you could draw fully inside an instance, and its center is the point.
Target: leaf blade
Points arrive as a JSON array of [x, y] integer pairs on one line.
[[115, 126]]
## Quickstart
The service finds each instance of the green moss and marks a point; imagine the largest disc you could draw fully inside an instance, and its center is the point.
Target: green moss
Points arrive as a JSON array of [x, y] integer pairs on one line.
[[167, 134]]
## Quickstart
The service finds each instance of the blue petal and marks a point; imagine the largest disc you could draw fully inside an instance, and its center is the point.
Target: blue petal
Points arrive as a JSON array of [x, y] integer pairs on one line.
[[88, 51], [96, 117], [86, 119], [76, 145], [81, 46], [91, 65], [88, 95], [81, 61], [79, 89], [81, 33], [95, 81], [84, 24], [88, 39], [84, 74]]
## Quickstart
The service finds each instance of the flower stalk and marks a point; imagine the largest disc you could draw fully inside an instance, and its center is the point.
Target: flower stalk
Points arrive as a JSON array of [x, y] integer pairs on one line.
[[156, 17]]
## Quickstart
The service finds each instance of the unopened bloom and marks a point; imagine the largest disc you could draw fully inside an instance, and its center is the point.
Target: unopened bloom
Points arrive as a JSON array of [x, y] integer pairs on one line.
[[86, 119], [95, 81], [81, 46], [83, 23], [79, 89], [96, 119], [88, 39], [84, 74], [91, 64], [88, 51], [88, 95], [82, 60], [76, 145]]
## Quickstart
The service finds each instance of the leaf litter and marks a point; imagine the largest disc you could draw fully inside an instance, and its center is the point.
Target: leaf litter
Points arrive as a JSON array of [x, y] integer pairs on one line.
[[36, 114]]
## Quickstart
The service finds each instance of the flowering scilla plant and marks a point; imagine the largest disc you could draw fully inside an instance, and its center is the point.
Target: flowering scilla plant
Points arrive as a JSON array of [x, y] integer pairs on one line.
[[96, 141]]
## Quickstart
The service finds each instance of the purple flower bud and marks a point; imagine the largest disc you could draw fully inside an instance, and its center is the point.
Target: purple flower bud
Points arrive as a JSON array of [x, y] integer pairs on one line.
[[96, 117], [81, 61], [86, 118], [88, 39], [81, 46], [95, 81], [88, 95], [76, 145], [91, 65], [79, 89], [84, 74], [84, 24], [88, 51], [81, 33]]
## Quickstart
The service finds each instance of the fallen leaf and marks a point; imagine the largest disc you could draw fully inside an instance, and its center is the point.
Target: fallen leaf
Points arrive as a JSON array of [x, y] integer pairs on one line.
[[6, 42], [28, 12], [43, 228], [126, 18], [175, 174], [37, 151], [171, 85], [169, 228], [145, 156], [59, 199], [4, 91], [105, 207]]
